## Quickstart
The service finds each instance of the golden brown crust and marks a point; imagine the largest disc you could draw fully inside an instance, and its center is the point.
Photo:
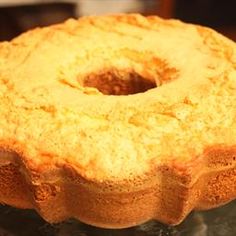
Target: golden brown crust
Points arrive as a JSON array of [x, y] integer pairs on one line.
[[68, 150], [167, 195]]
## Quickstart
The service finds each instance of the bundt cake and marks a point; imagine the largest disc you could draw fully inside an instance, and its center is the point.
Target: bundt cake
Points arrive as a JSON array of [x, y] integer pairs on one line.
[[115, 120]]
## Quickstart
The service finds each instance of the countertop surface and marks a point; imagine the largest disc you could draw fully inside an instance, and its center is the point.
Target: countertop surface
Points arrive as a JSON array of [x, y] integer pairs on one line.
[[216, 222]]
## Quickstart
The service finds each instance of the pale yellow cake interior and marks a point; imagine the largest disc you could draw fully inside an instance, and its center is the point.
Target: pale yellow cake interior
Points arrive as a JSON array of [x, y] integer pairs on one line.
[[114, 96]]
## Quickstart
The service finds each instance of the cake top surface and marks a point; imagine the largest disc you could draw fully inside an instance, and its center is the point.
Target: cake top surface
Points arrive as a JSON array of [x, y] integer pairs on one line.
[[115, 96]]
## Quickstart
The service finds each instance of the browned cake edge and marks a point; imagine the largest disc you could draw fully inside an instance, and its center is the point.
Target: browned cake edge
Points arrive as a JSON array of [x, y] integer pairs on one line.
[[167, 194]]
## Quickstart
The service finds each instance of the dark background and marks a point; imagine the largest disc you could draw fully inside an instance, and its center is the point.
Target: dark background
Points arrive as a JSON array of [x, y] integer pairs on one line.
[[218, 14]]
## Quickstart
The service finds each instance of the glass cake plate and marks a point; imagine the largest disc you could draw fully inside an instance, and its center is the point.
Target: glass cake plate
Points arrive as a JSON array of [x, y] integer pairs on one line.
[[217, 222]]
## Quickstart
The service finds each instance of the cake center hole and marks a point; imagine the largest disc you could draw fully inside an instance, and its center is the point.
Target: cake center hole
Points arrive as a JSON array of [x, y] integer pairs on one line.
[[117, 83]]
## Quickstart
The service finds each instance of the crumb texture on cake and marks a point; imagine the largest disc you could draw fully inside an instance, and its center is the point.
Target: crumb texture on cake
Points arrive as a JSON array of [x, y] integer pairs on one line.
[[52, 109], [118, 100]]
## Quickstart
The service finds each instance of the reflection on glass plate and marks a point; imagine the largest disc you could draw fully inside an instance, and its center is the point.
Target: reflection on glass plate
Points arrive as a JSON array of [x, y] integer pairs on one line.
[[217, 222]]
